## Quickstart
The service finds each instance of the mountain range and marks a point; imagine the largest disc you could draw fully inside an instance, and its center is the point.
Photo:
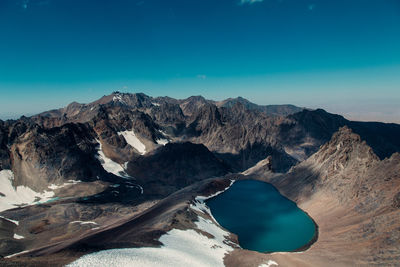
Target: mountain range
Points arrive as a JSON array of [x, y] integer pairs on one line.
[[123, 170]]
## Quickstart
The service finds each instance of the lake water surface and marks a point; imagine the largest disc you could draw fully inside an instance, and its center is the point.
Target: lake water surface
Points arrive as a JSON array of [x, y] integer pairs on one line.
[[263, 219]]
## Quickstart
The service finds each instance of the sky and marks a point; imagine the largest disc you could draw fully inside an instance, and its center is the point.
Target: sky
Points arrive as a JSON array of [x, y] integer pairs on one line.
[[340, 55]]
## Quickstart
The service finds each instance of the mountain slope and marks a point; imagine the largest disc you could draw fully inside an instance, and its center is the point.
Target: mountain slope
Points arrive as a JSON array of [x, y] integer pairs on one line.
[[353, 197], [175, 166]]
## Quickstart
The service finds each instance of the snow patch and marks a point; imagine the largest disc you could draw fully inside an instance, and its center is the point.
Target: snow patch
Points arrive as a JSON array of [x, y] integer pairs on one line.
[[18, 236], [141, 189], [112, 167], [162, 141], [200, 201], [126, 165], [118, 98], [14, 222], [180, 247], [155, 104], [20, 195], [133, 141], [54, 186], [269, 263], [109, 165], [70, 182], [16, 254], [85, 222]]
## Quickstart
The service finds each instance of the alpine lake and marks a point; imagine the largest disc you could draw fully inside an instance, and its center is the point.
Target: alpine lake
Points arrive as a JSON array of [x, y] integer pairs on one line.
[[262, 218]]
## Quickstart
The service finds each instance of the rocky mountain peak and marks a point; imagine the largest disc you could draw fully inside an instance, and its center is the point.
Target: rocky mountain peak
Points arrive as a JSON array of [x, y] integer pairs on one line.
[[238, 107], [345, 146], [196, 98], [230, 102], [345, 168], [206, 118], [344, 137], [136, 100], [191, 104], [345, 151]]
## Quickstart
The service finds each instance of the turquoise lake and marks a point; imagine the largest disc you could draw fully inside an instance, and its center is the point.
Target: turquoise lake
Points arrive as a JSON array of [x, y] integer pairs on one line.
[[263, 219]]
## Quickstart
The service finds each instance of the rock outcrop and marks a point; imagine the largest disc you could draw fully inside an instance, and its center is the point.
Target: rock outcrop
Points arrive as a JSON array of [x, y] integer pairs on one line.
[[41, 157], [175, 166]]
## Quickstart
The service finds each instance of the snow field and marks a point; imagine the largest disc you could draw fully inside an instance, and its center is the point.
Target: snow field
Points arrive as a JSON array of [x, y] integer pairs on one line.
[[20, 195], [180, 247], [133, 141]]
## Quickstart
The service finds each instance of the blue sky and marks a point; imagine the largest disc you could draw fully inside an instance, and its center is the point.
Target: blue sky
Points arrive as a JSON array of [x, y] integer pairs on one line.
[[340, 55]]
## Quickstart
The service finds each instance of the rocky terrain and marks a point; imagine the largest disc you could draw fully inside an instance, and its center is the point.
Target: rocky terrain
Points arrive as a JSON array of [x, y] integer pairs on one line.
[[234, 128], [124, 170], [353, 197]]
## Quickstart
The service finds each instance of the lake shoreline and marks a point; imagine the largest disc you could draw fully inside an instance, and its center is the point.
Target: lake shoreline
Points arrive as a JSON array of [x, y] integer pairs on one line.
[[312, 240], [316, 233], [284, 245]]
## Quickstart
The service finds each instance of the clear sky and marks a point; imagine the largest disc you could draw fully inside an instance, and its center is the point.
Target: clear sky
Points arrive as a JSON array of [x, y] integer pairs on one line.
[[341, 55]]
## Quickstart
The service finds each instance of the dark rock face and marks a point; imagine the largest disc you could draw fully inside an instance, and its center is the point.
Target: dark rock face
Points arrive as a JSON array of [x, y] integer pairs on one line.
[[193, 104], [383, 138], [168, 114], [238, 136], [319, 125], [175, 166], [396, 201], [272, 110], [41, 157], [205, 120], [112, 120], [4, 153], [252, 154], [7, 244]]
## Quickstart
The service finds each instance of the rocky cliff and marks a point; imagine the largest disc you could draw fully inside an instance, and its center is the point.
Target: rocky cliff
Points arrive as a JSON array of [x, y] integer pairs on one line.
[[175, 166]]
